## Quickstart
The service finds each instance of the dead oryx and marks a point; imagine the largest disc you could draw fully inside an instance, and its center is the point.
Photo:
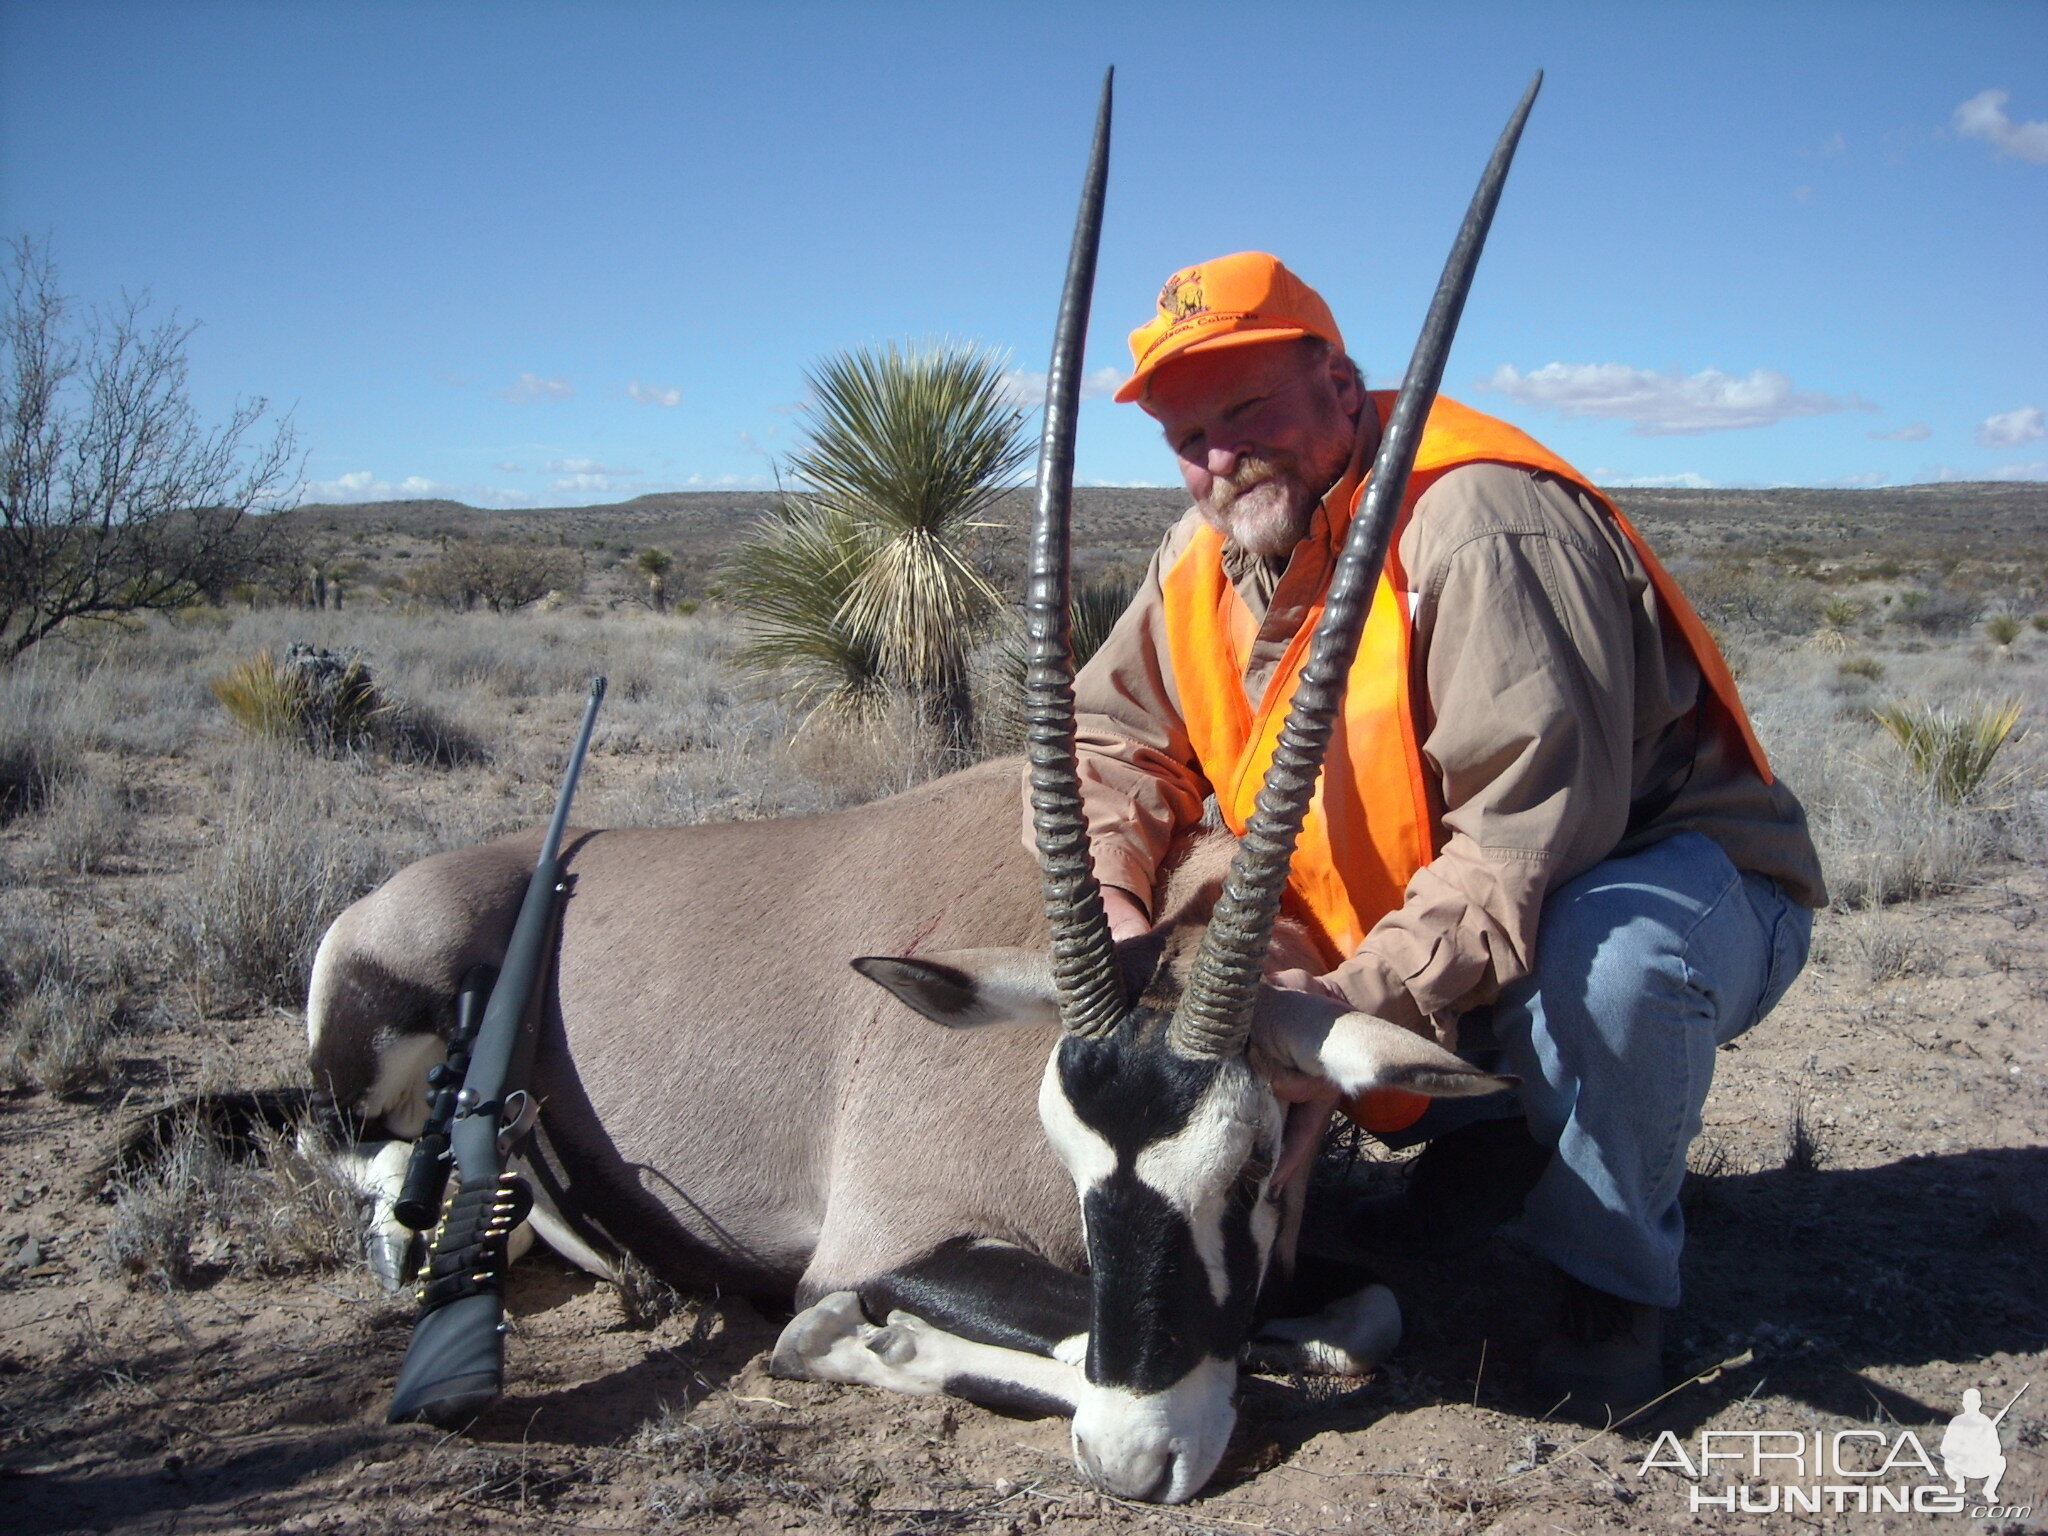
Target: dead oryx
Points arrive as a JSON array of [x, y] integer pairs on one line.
[[726, 1100]]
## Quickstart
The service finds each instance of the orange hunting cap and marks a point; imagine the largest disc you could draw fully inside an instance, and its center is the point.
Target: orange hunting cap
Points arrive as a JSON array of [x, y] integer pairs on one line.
[[1228, 302]]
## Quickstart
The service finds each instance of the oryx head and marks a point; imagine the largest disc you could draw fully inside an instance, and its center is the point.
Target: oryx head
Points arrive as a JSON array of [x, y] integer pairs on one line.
[[1151, 1098]]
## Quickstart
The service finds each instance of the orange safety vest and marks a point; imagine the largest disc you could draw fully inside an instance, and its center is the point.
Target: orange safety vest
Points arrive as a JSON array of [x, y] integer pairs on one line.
[[1370, 825]]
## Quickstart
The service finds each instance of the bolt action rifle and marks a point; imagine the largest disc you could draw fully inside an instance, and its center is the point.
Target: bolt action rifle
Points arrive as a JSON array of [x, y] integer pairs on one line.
[[455, 1364]]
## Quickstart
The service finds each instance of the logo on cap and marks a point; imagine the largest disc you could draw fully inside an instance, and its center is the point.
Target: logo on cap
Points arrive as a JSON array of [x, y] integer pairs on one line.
[[1182, 295]]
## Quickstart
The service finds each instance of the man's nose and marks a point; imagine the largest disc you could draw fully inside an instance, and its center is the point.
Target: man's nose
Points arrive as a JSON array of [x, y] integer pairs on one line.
[[1222, 459]]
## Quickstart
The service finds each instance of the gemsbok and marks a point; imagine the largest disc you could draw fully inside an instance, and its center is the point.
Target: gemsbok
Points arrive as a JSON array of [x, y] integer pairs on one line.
[[1070, 1196]]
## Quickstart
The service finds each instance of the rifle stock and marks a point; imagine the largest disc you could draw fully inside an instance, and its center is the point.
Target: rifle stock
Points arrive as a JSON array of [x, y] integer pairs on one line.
[[455, 1365]]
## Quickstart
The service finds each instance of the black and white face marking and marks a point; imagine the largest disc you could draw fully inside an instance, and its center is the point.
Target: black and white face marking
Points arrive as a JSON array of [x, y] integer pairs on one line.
[[1171, 1157]]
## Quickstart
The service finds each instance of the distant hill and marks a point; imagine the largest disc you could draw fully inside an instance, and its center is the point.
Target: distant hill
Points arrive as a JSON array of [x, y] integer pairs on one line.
[[1989, 522]]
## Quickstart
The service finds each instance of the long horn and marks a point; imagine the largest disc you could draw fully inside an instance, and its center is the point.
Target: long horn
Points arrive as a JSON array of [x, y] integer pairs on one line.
[[1083, 956], [1215, 1013]]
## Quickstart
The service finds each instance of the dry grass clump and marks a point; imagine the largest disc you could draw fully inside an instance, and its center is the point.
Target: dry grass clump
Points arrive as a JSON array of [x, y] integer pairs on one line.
[[300, 842], [1893, 954], [286, 1209], [718, 1466], [62, 1004], [85, 823], [1803, 1148], [1885, 832], [37, 753]]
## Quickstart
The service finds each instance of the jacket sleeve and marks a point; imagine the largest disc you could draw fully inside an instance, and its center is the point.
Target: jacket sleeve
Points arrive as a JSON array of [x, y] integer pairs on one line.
[[1527, 655], [1139, 782]]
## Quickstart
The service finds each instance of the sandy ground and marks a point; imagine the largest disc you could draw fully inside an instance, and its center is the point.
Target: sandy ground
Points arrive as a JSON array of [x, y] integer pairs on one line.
[[1866, 1291]]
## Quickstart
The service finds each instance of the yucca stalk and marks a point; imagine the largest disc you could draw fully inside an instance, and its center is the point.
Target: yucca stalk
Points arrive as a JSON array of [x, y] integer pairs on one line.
[[912, 446]]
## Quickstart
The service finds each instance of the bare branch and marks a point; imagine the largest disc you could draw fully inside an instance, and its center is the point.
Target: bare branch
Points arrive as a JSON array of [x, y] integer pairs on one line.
[[118, 499]]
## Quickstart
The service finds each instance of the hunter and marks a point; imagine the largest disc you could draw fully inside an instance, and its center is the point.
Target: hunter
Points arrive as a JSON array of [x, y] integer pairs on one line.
[[1545, 833]]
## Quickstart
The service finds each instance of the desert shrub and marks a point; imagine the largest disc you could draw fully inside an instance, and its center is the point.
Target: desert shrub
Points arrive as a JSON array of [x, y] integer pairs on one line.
[[501, 576], [1840, 612], [1732, 594], [286, 1208], [1952, 750], [1934, 613], [2040, 623], [2003, 628], [1862, 669]]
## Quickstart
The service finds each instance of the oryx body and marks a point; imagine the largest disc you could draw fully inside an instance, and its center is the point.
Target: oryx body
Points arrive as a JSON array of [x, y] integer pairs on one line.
[[731, 1103]]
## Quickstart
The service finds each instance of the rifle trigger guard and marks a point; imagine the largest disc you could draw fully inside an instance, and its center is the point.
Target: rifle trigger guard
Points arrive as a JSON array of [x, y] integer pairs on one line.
[[516, 1119]]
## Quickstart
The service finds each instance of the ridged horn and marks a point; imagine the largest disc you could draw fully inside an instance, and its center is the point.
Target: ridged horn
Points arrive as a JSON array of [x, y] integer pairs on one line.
[[1091, 996], [1214, 1017]]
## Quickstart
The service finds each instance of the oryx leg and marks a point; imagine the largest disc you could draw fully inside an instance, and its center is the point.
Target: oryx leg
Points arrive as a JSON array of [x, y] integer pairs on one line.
[[976, 1319]]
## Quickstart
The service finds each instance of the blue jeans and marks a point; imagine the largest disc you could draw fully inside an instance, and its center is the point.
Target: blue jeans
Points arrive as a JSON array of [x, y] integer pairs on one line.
[[1644, 966]]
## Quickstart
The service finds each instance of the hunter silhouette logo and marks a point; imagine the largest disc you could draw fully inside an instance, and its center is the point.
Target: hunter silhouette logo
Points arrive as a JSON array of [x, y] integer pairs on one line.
[[1182, 295], [1970, 1446]]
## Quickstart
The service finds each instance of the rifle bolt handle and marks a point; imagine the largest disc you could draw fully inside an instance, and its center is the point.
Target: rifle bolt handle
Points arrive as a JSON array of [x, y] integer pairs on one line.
[[466, 1099]]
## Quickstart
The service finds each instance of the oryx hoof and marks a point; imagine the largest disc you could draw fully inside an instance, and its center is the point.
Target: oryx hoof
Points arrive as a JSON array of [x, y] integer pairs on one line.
[[818, 1338], [1349, 1337], [896, 1343]]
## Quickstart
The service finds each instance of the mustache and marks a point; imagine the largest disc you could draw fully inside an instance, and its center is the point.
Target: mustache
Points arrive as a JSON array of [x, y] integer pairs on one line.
[[1250, 473]]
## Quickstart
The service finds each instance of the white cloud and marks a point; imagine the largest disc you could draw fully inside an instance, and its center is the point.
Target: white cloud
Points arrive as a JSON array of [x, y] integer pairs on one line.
[[728, 483], [507, 467], [1912, 432], [1689, 481], [1861, 482], [654, 394], [531, 386], [2036, 469], [362, 485], [2008, 429], [592, 480], [1025, 387], [1665, 404], [1983, 117], [584, 467]]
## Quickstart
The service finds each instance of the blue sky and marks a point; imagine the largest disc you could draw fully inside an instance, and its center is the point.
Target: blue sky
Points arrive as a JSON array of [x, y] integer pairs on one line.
[[532, 254]]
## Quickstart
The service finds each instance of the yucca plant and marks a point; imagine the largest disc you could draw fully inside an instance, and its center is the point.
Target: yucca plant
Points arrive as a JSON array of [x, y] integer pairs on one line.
[[908, 450], [313, 697], [2003, 628], [1953, 750], [791, 579]]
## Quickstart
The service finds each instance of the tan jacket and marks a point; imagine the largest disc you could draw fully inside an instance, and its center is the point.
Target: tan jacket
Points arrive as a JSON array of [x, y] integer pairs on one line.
[[1560, 730]]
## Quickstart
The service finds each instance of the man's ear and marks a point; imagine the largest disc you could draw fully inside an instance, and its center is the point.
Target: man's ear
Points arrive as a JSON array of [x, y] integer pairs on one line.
[[1357, 1051], [964, 987]]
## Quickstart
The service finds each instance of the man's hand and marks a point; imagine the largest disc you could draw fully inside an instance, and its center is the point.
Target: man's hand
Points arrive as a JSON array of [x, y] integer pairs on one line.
[[1127, 920], [1314, 986]]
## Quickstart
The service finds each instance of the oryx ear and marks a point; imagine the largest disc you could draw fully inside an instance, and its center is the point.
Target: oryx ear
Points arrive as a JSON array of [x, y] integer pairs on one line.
[[1362, 1052], [963, 987], [1357, 1051]]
